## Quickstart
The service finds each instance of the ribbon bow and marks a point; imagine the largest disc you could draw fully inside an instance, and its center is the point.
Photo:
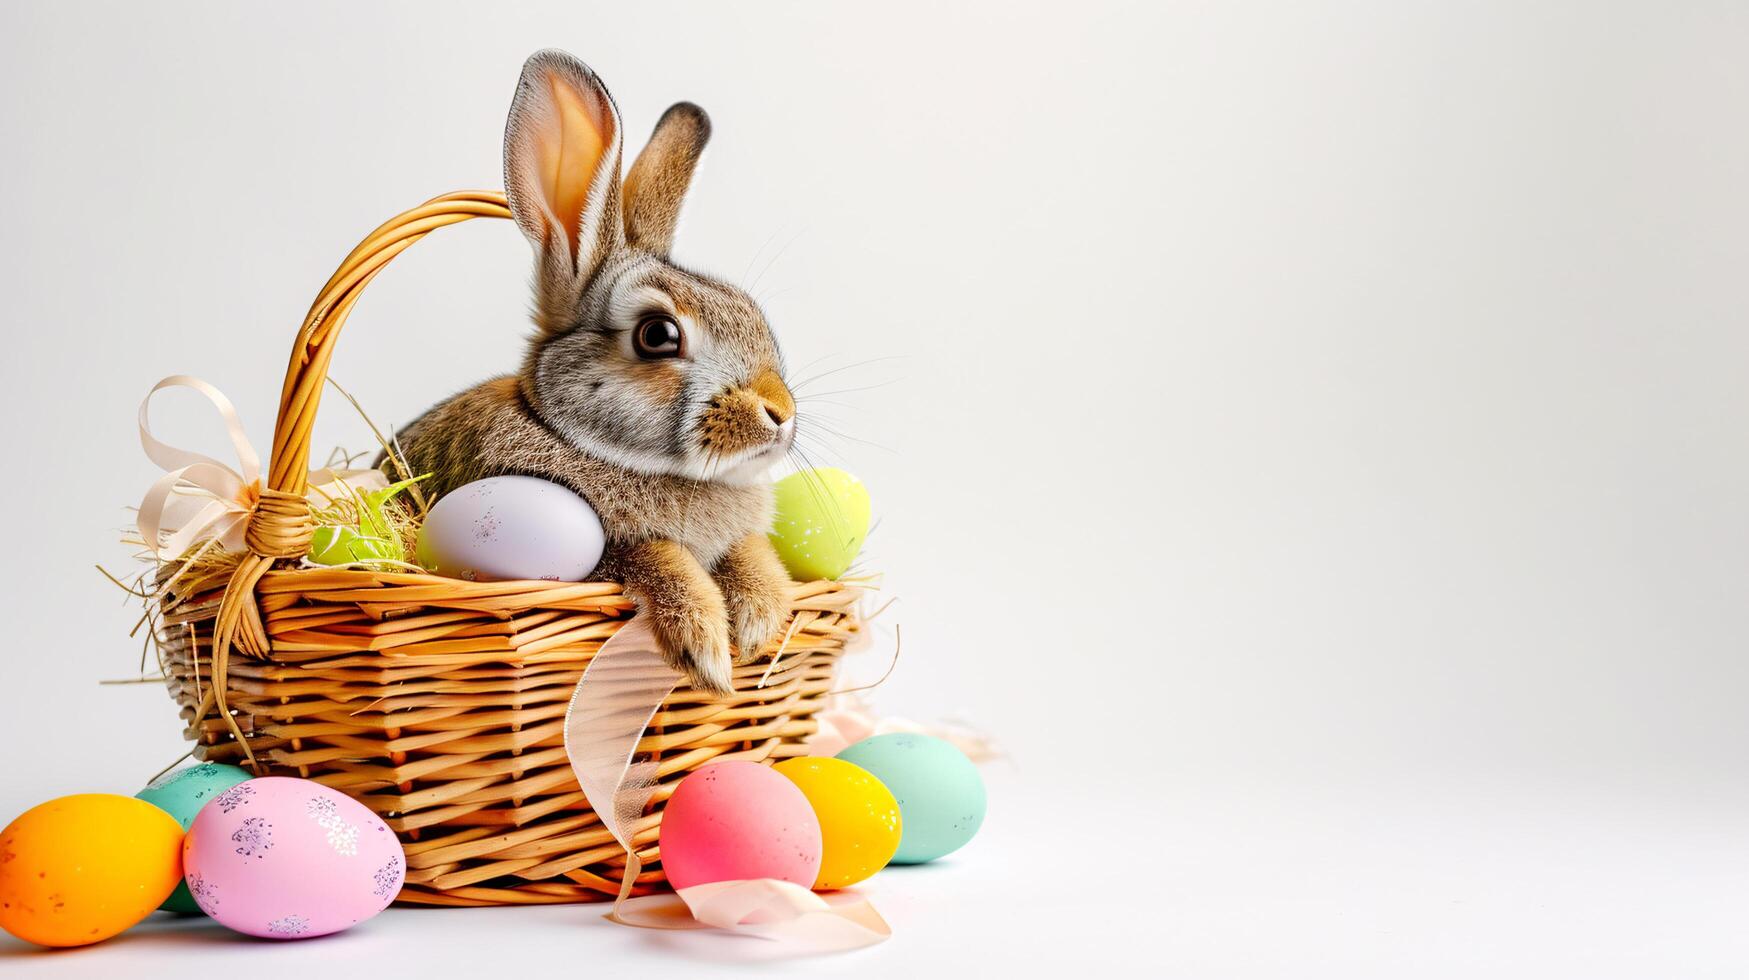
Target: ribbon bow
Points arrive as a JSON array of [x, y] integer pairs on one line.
[[198, 496], [200, 500]]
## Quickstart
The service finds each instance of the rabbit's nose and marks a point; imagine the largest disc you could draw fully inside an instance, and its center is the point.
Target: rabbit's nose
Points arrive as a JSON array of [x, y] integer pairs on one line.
[[786, 432], [774, 395]]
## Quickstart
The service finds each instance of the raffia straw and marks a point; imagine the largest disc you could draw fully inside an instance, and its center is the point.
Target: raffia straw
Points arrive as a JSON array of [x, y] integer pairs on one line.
[[403, 524], [391, 448], [898, 644], [777, 658], [169, 767]]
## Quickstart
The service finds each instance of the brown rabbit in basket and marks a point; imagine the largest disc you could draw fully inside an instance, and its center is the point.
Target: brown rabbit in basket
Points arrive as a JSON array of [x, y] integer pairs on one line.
[[655, 393]]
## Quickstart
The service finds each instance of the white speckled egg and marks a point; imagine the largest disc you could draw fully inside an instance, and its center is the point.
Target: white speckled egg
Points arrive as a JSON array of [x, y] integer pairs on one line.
[[512, 527]]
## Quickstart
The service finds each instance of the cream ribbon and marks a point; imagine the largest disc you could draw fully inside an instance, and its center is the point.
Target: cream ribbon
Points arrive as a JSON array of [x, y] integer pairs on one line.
[[199, 498], [765, 907], [620, 691]]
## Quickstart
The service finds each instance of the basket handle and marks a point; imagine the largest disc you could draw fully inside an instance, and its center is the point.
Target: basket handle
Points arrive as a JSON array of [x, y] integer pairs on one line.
[[281, 523], [289, 465]]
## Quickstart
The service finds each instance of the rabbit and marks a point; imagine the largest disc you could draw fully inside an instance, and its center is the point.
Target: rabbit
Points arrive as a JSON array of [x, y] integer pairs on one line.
[[655, 393]]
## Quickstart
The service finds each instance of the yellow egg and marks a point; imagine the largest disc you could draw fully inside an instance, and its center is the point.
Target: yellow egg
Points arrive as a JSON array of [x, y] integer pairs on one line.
[[83, 868], [859, 819]]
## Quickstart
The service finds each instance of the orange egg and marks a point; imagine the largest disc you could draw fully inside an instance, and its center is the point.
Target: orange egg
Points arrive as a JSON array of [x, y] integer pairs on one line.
[[83, 868]]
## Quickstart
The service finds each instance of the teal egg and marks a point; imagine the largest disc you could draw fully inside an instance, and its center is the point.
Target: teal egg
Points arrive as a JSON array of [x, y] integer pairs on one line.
[[181, 793], [940, 794]]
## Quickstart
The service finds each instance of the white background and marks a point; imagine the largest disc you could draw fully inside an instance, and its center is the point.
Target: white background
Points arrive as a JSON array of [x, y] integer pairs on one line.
[[1309, 437]]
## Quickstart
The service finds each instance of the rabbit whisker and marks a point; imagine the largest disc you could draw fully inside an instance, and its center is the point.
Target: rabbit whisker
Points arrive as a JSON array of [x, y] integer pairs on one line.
[[822, 499], [760, 251], [819, 445], [766, 297], [773, 260], [830, 430], [798, 386], [823, 357], [811, 400], [852, 391]]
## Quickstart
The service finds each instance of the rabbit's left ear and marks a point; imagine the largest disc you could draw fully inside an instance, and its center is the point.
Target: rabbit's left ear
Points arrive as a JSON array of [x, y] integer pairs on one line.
[[657, 182]]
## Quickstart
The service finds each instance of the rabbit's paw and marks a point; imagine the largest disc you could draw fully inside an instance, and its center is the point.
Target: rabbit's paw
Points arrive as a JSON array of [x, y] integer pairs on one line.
[[686, 609], [756, 590], [758, 616], [694, 635]]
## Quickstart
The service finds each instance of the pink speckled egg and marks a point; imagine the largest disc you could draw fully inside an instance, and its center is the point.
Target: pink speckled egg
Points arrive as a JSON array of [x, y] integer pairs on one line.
[[289, 858], [731, 821]]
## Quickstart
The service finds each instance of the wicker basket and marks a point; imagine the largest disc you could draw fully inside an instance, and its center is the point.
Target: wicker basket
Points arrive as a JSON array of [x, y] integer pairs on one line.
[[440, 703]]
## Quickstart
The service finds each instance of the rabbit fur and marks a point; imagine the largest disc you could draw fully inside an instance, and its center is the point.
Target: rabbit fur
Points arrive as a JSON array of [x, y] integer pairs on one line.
[[655, 393]]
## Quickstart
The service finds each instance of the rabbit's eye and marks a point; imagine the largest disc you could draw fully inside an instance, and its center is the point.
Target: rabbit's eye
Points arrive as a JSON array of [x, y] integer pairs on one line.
[[657, 336]]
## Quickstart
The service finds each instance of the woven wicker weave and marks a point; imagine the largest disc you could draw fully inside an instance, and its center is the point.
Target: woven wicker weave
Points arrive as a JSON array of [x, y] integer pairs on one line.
[[440, 703]]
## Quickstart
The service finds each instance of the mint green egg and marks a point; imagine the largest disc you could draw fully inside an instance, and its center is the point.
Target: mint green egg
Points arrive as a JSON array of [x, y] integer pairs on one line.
[[181, 793], [940, 794], [822, 519]]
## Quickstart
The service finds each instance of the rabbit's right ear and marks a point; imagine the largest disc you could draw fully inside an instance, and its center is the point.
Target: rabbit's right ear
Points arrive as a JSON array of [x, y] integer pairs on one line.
[[659, 176], [561, 175]]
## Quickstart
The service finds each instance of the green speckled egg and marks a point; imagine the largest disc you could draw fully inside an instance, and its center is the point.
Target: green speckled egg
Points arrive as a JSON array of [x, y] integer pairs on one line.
[[940, 794], [822, 519], [181, 793]]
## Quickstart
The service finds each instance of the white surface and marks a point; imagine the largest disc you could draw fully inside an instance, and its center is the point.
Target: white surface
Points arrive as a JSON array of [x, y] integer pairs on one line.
[[1428, 878], [1313, 432]]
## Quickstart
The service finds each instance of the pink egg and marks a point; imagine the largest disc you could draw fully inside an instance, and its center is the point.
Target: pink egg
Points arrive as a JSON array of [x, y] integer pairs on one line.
[[290, 858], [731, 821]]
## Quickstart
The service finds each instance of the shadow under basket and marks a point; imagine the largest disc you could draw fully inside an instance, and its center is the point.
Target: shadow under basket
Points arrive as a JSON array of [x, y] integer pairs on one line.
[[440, 703]]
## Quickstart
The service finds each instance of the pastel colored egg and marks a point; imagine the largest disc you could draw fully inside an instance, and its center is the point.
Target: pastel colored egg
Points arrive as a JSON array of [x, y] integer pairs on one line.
[[181, 793], [822, 519], [80, 869], [512, 527], [285, 858], [859, 818], [737, 820], [940, 794], [345, 545]]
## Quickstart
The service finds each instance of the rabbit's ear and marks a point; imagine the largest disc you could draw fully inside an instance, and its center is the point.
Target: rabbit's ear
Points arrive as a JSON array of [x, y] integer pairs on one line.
[[657, 182], [561, 171]]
